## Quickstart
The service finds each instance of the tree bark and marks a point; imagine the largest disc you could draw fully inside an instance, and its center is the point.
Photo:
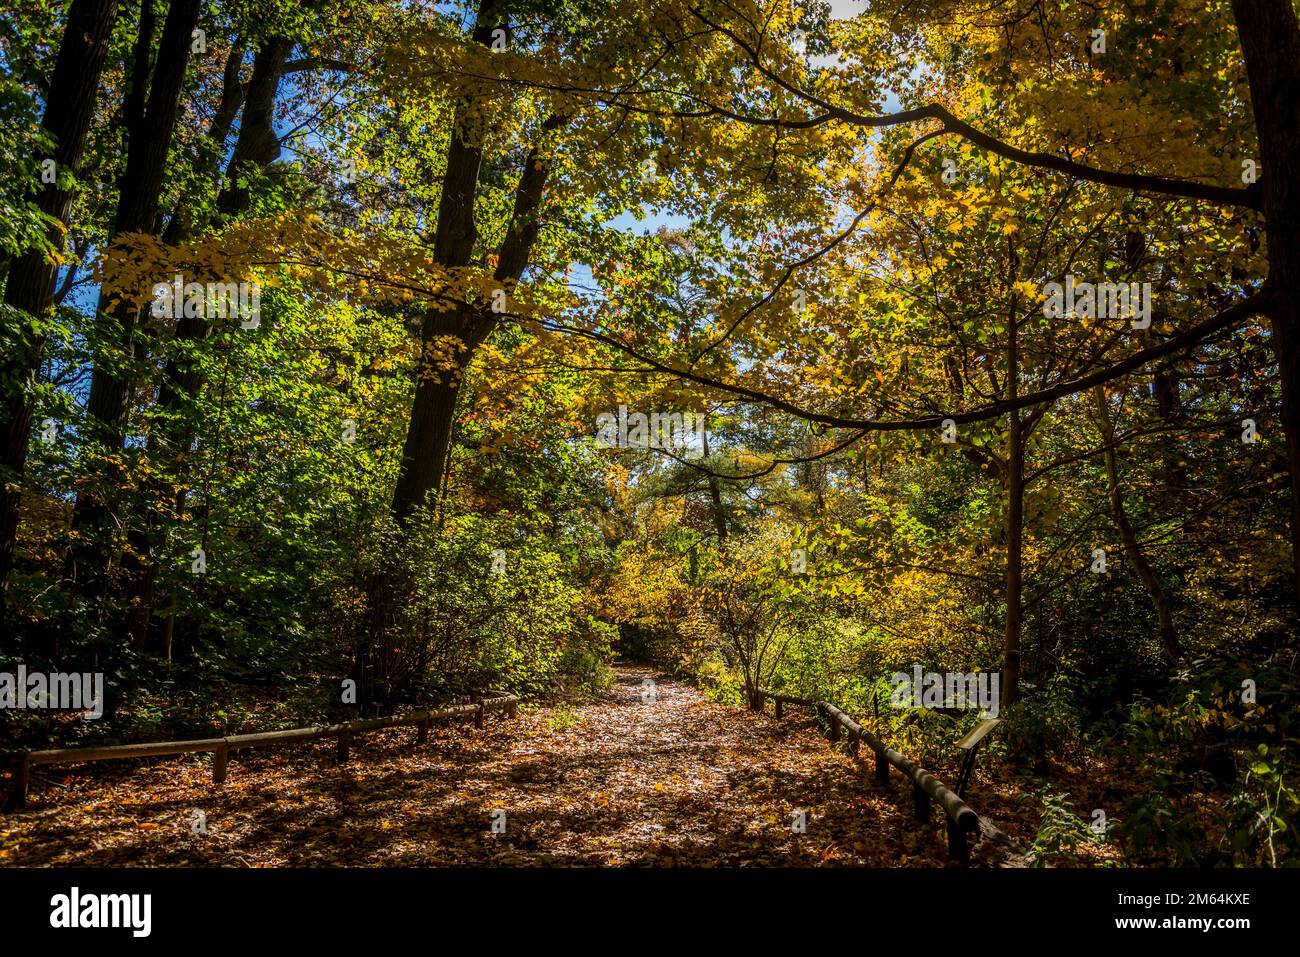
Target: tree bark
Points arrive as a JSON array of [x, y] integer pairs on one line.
[[150, 127], [69, 108], [233, 94], [428, 434], [453, 334], [257, 146], [1015, 489], [428, 437], [151, 120], [1014, 481], [446, 333], [1270, 42]]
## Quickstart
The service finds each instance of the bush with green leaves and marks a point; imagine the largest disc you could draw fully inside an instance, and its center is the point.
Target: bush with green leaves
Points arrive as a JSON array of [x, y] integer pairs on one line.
[[1046, 721], [1208, 739], [488, 606], [1061, 834]]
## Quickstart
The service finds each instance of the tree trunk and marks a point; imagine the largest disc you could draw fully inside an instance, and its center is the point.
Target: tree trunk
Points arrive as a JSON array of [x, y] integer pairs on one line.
[[140, 189], [1015, 489], [1164, 383], [454, 334], [180, 228], [428, 435], [69, 108], [715, 496], [256, 145], [151, 121], [1169, 642], [1270, 42]]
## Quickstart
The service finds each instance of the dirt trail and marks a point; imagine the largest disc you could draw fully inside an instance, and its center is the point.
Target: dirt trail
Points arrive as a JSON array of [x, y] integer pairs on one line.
[[661, 779]]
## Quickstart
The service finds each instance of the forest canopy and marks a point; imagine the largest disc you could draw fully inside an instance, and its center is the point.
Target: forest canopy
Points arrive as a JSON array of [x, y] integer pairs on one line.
[[429, 349]]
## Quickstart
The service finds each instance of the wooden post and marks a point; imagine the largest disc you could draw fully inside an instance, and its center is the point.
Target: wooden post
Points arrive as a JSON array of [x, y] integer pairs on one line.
[[855, 739], [423, 734], [345, 741], [920, 803], [22, 776], [779, 709], [882, 768], [512, 708], [958, 847], [478, 715], [835, 728], [220, 758]]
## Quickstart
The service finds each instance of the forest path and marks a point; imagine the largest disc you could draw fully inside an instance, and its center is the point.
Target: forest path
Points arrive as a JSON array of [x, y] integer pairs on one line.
[[669, 778]]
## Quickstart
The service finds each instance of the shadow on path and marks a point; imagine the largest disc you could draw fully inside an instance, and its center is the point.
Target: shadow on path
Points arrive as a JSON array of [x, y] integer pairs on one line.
[[653, 775]]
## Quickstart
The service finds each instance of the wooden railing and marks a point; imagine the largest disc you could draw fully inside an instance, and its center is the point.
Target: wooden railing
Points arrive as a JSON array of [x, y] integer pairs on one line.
[[962, 820], [221, 748]]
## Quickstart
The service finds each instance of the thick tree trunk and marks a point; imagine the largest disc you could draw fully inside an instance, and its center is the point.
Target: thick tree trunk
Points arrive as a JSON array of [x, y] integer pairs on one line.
[[1164, 383], [256, 146], [429, 430], [140, 191], [454, 333], [1270, 42], [1169, 642], [151, 122], [428, 438], [69, 108], [181, 228]]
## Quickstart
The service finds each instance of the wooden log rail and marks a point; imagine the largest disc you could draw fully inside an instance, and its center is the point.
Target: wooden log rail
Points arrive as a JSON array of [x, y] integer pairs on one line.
[[962, 819], [222, 747]]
